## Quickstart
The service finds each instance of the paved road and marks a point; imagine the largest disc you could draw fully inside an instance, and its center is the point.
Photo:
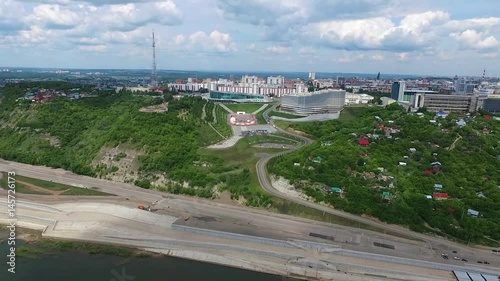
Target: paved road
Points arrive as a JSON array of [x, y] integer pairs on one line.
[[436, 243]]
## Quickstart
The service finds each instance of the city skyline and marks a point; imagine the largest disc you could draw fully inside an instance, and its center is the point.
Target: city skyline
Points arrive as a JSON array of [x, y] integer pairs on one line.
[[425, 38]]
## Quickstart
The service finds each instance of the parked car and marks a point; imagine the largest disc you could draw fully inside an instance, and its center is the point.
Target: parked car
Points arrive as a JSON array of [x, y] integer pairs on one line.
[[456, 258], [465, 260]]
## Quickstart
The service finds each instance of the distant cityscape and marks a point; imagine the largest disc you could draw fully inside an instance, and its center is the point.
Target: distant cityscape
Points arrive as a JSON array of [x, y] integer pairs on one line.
[[321, 92]]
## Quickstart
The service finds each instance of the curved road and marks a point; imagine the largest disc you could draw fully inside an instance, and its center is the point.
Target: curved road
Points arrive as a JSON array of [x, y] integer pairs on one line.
[[266, 184]]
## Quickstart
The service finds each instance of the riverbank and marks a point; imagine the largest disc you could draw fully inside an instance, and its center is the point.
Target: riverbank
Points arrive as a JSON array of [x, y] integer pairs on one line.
[[70, 260]]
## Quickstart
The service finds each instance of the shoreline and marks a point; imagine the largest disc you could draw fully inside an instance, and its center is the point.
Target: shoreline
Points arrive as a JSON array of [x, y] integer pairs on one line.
[[33, 237]]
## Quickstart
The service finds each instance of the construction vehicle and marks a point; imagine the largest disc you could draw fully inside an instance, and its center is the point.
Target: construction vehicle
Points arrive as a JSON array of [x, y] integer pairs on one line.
[[144, 208]]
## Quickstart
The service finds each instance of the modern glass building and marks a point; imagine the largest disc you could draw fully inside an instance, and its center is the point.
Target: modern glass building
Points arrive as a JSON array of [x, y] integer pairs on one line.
[[236, 97], [320, 102], [492, 105]]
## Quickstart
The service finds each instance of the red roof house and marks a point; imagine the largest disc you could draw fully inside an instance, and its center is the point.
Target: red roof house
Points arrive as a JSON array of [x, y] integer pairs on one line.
[[363, 142], [440, 196], [428, 172]]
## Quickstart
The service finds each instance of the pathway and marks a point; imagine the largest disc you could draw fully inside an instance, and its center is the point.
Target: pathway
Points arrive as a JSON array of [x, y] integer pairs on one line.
[[260, 109], [226, 108]]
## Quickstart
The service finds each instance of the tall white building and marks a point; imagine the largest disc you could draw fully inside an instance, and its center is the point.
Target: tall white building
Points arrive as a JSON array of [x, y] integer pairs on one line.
[[247, 79], [464, 87], [276, 80], [312, 75]]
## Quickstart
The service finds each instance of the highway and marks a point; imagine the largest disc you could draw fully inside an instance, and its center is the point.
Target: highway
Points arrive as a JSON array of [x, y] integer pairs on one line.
[[117, 220]]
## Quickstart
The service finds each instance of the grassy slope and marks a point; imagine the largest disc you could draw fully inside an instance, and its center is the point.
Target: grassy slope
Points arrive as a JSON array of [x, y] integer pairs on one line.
[[247, 107]]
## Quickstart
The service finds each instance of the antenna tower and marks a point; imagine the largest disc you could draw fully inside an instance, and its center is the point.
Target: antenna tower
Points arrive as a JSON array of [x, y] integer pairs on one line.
[[484, 74], [154, 73]]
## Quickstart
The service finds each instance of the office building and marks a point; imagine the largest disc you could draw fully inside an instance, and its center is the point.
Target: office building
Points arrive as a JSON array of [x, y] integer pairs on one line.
[[464, 87], [320, 102], [450, 103], [231, 97], [492, 104], [312, 75], [398, 90]]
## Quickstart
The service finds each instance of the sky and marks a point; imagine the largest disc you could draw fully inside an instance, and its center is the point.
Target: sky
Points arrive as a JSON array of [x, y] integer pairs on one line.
[[424, 37]]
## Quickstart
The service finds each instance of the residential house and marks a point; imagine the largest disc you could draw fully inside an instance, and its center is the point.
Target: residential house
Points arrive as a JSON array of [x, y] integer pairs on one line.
[[412, 150], [318, 159], [440, 196], [438, 186], [386, 195], [472, 213], [335, 189], [402, 164], [461, 123], [364, 142], [428, 196]]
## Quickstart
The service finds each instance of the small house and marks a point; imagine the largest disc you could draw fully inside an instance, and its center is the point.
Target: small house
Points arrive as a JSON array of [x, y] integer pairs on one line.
[[364, 142], [481, 195], [438, 186], [386, 195], [412, 150], [441, 114], [428, 196], [336, 189], [318, 159], [296, 164], [402, 164], [461, 123], [440, 196], [436, 163], [472, 213], [428, 172]]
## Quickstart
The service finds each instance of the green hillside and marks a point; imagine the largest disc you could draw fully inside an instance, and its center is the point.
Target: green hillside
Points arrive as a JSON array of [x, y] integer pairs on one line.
[[72, 134], [469, 170]]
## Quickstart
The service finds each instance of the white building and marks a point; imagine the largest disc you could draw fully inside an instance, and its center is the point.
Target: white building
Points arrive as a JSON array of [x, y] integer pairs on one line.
[[312, 75], [320, 102], [351, 98], [246, 79], [276, 80]]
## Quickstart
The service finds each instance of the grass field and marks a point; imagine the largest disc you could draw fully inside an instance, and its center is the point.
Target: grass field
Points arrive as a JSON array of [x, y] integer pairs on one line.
[[285, 115], [48, 187], [247, 107], [260, 116]]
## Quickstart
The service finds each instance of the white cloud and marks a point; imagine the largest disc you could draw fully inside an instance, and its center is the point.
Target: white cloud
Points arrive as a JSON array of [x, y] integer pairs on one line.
[[93, 48], [53, 17], [277, 49], [403, 57], [489, 56], [471, 39], [216, 41], [377, 57]]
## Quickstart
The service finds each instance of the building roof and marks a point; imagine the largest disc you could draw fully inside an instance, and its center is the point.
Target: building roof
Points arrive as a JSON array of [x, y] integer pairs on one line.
[[472, 212], [438, 186], [363, 142], [440, 195]]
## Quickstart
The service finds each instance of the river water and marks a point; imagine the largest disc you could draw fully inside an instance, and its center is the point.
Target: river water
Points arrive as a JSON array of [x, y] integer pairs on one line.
[[55, 265]]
